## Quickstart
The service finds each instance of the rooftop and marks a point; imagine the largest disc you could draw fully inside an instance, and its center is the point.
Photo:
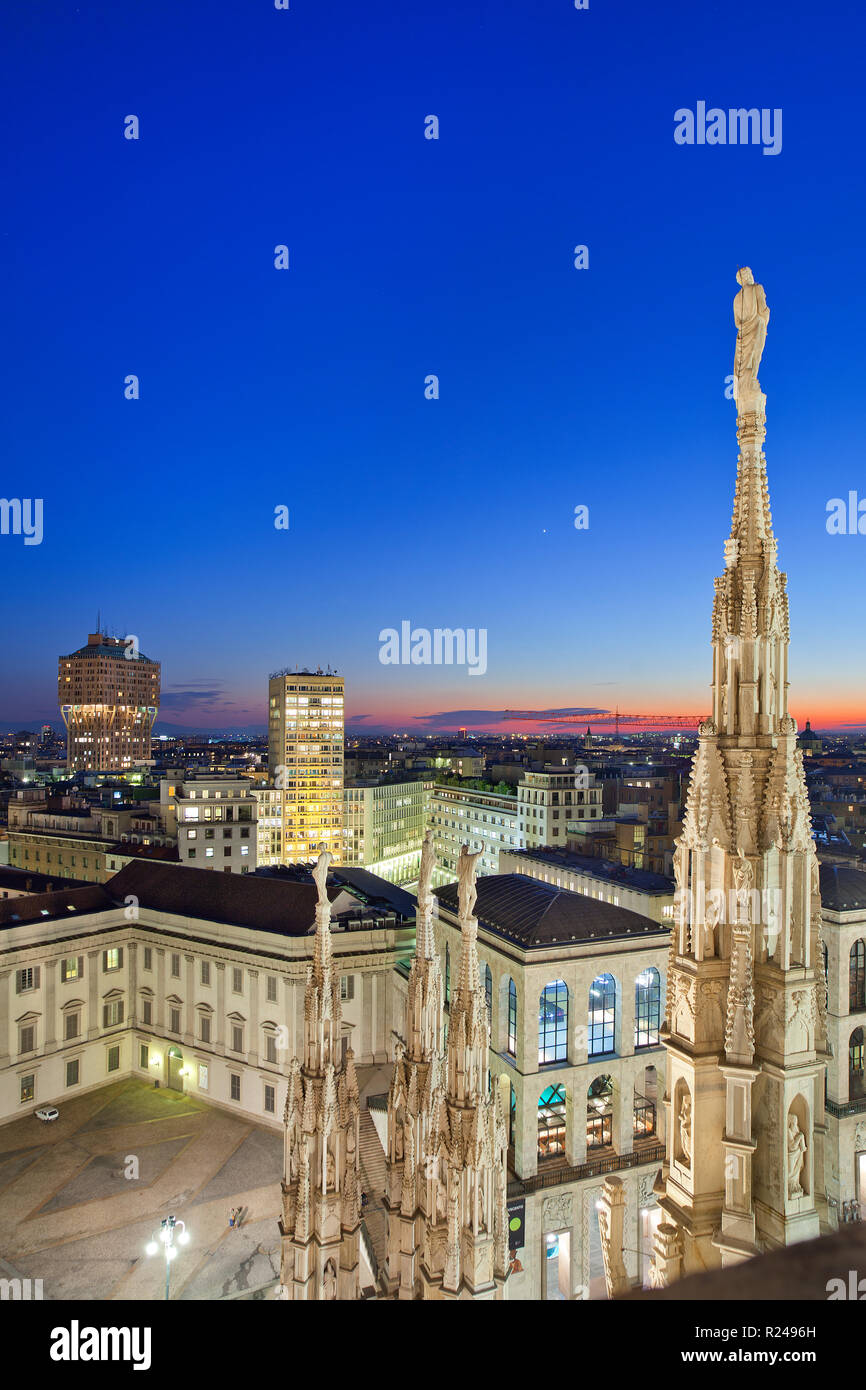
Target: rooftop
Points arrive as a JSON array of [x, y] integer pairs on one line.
[[843, 889], [641, 879], [538, 914]]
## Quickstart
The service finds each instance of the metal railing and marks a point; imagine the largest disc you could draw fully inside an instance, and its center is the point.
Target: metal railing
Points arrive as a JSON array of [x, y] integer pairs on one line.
[[596, 1167]]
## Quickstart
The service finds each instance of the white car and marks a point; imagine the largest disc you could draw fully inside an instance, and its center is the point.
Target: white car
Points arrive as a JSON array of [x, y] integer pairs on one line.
[[47, 1112]]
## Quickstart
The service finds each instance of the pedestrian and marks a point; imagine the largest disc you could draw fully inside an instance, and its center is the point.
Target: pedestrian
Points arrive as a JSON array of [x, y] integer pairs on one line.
[[232, 1217]]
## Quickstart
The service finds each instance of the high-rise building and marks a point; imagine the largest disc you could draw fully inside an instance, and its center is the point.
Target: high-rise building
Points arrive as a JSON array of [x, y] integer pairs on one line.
[[108, 693], [305, 757]]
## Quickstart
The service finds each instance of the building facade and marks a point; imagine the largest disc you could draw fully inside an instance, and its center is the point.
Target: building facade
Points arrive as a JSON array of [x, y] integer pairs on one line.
[[383, 826], [212, 820], [574, 989], [843, 917], [172, 974], [108, 693], [305, 760], [461, 815]]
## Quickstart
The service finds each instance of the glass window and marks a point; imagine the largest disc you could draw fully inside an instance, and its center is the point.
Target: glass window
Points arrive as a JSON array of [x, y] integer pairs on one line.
[[143, 1056], [599, 1113], [553, 1023], [602, 1015], [647, 1008], [235, 1087], [202, 1076], [512, 1018], [72, 1072], [551, 1122], [857, 977], [114, 1059], [270, 1099], [28, 1088]]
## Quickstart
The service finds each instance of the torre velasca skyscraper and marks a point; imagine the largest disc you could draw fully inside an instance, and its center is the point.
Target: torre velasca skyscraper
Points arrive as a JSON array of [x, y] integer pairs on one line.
[[108, 694], [746, 1000]]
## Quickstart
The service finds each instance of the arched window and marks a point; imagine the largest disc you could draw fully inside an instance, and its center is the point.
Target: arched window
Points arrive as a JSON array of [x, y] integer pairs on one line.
[[447, 973], [487, 980], [857, 977], [856, 1086], [599, 1113], [602, 1015], [551, 1122], [512, 1018], [553, 1023], [647, 1008]]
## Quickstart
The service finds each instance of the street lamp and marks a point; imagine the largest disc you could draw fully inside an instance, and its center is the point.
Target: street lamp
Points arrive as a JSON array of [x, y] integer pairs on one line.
[[165, 1235]]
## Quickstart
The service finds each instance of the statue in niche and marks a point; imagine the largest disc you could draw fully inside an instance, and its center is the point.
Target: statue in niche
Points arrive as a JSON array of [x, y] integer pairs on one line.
[[751, 315], [329, 1287], [744, 877], [330, 1172], [711, 921], [796, 1156], [685, 1123]]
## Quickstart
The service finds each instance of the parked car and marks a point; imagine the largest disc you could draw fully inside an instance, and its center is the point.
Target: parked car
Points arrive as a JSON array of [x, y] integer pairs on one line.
[[47, 1112]]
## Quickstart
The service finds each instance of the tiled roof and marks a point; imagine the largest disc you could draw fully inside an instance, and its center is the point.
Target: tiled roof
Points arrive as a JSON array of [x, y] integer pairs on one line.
[[537, 914]]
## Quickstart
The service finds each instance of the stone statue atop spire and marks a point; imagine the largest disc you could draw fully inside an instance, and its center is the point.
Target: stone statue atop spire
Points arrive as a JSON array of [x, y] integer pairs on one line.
[[320, 876], [467, 893], [751, 315], [743, 1030]]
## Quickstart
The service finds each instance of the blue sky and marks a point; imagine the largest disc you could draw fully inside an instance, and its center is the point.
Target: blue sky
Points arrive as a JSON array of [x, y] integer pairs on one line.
[[305, 388]]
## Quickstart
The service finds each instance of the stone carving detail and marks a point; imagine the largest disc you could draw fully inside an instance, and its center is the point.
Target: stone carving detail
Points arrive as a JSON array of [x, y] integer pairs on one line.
[[751, 315], [467, 892], [556, 1212], [796, 1156], [685, 1124]]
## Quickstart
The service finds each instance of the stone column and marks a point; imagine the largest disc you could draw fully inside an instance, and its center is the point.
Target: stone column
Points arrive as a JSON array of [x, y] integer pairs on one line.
[[367, 1022], [50, 977], [160, 989], [93, 1019], [253, 1040], [189, 1002], [132, 964], [219, 1038], [623, 1115], [4, 1015]]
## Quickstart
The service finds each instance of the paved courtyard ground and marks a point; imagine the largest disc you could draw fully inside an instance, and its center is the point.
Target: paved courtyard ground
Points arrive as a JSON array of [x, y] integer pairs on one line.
[[70, 1217]]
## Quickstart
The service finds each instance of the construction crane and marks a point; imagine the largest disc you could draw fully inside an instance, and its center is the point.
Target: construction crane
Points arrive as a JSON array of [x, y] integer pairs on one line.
[[658, 721]]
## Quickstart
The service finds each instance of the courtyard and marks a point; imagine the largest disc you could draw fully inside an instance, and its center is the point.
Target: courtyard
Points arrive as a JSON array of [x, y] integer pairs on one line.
[[80, 1198]]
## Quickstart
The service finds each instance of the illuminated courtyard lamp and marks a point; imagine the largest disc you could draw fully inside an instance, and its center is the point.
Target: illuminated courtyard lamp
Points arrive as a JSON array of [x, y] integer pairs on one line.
[[165, 1236]]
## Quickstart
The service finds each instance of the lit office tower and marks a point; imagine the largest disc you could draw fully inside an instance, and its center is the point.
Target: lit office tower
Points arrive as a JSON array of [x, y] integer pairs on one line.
[[108, 693], [305, 756]]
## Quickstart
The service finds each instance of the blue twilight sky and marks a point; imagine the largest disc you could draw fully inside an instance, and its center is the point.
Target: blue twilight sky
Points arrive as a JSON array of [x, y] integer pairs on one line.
[[558, 387]]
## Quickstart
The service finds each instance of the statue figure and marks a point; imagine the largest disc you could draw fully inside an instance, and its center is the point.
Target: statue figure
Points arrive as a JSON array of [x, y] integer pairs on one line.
[[467, 893], [428, 862], [686, 1128], [320, 875], [330, 1172], [711, 921], [329, 1290], [796, 1156], [751, 316], [744, 877]]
